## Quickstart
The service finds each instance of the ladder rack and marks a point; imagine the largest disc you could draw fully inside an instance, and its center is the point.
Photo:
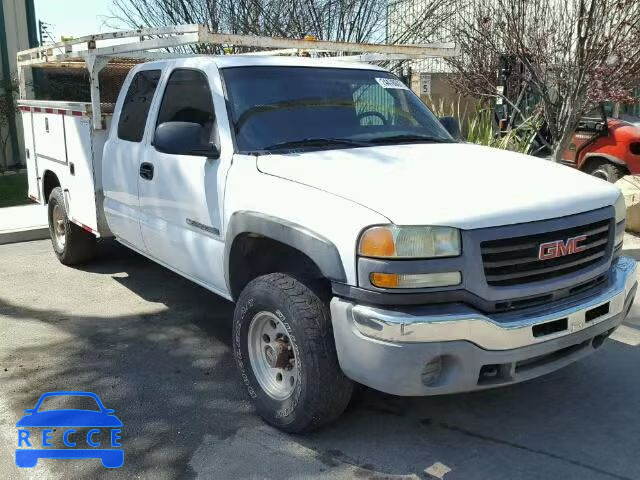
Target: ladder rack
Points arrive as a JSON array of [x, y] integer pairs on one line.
[[95, 51]]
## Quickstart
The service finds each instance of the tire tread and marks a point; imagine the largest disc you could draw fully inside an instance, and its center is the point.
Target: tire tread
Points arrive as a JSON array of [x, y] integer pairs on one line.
[[333, 389], [80, 246]]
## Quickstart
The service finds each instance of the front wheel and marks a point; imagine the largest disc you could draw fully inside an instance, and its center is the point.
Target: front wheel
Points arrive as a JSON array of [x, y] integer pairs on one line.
[[284, 347], [607, 171], [71, 244]]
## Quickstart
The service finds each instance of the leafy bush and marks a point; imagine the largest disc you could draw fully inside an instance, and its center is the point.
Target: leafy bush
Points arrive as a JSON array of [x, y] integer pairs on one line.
[[479, 126]]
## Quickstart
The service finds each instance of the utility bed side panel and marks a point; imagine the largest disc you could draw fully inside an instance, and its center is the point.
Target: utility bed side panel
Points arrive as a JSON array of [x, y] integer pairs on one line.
[[32, 165], [99, 138], [50, 136], [80, 187], [65, 144]]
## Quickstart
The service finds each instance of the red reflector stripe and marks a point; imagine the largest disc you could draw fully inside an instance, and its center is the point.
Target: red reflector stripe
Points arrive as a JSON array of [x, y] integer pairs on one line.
[[59, 111], [84, 227]]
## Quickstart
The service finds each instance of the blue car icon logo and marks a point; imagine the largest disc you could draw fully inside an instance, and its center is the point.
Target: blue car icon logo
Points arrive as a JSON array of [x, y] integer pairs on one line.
[[65, 422]]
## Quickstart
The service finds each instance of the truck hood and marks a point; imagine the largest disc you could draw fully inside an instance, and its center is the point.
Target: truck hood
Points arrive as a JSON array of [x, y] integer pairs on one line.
[[459, 185]]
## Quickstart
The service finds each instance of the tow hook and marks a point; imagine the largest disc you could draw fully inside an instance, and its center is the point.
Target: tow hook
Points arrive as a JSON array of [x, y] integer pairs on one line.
[[598, 340]]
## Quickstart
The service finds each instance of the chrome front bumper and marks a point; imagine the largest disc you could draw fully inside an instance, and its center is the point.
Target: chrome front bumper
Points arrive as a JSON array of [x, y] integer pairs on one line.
[[371, 340]]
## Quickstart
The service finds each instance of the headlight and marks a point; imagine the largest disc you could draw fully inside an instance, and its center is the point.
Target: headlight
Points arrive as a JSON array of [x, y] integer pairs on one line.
[[621, 209], [391, 241]]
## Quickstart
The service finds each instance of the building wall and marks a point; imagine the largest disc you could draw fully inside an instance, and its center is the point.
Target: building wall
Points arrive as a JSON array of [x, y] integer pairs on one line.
[[18, 34], [402, 18]]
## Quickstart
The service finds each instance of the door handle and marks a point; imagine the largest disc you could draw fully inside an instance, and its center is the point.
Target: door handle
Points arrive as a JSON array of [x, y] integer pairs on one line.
[[146, 170]]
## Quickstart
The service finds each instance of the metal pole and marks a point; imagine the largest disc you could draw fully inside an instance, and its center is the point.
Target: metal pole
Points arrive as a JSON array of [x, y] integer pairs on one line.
[[94, 65], [40, 29]]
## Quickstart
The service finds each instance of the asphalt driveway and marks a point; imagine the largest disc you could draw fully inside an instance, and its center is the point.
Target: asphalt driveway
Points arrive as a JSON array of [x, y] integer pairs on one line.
[[156, 349]]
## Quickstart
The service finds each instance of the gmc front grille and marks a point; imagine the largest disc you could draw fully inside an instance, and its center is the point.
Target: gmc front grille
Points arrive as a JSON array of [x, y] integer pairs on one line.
[[514, 261]]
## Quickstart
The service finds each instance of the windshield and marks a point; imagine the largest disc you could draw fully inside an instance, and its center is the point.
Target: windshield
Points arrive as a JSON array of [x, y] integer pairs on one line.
[[285, 108]]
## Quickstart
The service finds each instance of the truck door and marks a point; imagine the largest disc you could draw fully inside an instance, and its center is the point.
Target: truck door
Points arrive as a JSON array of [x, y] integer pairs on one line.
[[122, 157], [179, 194]]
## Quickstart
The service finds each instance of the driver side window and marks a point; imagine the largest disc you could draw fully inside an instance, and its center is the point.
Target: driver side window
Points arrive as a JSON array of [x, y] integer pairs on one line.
[[374, 105], [187, 98]]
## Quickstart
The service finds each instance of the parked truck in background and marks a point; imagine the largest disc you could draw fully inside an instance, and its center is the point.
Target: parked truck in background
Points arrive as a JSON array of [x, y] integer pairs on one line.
[[608, 148], [317, 195]]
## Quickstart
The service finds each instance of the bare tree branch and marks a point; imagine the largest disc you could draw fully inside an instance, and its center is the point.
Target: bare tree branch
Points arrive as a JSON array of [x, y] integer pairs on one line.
[[573, 54]]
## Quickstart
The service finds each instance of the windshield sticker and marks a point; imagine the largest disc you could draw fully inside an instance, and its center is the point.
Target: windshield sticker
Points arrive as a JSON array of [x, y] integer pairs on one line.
[[391, 83]]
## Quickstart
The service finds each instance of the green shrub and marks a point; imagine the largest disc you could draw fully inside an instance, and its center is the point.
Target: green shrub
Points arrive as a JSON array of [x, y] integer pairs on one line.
[[13, 190], [479, 126]]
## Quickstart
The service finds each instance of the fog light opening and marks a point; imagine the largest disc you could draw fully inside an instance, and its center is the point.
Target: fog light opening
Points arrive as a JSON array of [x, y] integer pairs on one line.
[[432, 371]]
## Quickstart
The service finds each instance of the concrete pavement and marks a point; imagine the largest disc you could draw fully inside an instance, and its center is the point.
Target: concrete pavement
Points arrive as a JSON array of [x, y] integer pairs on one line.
[[23, 223], [156, 348]]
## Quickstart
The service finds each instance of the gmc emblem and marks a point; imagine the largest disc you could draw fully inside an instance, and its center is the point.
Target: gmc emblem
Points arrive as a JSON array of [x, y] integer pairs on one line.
[[560, 248]]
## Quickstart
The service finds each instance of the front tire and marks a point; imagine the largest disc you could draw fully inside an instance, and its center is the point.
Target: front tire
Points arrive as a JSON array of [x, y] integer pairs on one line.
[[608, 171], [71, 244], [284, 347]]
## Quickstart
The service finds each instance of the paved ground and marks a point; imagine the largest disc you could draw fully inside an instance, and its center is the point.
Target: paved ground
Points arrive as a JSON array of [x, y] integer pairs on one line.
[[155, 348]]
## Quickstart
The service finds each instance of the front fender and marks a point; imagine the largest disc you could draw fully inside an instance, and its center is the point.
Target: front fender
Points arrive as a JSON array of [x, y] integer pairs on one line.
[[318, 248]]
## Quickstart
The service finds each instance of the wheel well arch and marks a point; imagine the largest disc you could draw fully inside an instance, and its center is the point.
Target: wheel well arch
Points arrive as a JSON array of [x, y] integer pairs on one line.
[[592, 159], [252, 256], [258, 244], [49, 182]]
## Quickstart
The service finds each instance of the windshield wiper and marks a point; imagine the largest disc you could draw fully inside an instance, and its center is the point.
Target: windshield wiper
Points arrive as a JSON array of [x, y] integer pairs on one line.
[[411, 138], [317, 142]]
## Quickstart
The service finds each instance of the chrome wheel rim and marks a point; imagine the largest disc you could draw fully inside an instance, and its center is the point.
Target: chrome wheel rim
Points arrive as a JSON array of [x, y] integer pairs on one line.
[[57, 221], [272, 356]]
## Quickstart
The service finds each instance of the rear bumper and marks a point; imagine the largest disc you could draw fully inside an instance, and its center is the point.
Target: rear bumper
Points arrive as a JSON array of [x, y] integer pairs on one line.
[[453, 348]]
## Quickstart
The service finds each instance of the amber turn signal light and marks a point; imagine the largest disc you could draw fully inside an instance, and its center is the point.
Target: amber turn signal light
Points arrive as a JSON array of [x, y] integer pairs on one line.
[[384, 280], [377, 242]]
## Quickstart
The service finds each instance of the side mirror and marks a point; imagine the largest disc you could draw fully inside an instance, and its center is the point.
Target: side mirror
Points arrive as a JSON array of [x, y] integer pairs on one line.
[[451, 125], [184, 138]]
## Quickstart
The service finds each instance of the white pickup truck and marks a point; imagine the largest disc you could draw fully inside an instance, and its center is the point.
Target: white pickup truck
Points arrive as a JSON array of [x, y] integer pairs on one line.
[[362, 243]]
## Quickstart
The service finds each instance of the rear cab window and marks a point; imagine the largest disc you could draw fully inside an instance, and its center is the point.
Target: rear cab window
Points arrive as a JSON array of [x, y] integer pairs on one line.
[[135, 109]]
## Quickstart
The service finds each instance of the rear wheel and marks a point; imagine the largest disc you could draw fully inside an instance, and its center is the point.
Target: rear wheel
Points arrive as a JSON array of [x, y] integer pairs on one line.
[[71, 244], [607, 171], [284, 347]]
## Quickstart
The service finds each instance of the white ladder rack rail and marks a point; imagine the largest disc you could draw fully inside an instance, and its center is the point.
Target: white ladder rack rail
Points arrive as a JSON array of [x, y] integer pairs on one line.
[[144, 44]]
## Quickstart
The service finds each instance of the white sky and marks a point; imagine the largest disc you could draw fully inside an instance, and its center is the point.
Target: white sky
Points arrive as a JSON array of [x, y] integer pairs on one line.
[[74, 17]]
